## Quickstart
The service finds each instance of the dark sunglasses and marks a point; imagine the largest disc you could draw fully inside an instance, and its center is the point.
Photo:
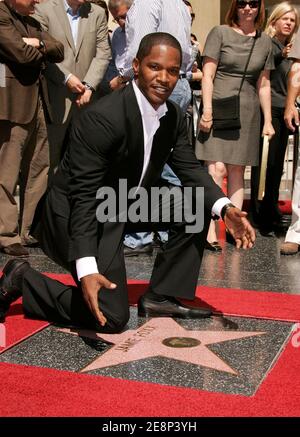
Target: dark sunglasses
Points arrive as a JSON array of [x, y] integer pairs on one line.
[[252, 4]]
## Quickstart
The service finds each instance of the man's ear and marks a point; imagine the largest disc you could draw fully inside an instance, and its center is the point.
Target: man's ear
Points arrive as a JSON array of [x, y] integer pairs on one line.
[[136, 66]]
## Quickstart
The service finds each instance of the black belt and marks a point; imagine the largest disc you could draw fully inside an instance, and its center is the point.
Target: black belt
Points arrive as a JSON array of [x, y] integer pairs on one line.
[[182, 76]]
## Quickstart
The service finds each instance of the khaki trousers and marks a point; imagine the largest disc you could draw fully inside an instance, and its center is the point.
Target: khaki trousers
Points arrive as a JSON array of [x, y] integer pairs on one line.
[[24, 158]]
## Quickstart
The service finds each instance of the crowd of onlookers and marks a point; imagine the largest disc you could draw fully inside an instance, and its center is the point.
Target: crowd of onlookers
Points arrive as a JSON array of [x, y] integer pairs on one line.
[[58, 56]]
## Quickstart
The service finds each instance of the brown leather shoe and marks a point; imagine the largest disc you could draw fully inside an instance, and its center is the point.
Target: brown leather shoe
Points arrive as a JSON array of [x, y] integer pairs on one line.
[[15, 249], [288, 248]]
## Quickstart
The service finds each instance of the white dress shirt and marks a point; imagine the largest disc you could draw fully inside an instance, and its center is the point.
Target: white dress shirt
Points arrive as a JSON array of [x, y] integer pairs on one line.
[[74, 23], [150, 117]]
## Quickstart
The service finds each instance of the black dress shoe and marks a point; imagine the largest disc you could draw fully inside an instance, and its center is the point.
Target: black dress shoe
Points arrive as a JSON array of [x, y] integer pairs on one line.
[[11, 283], [15, 249], [213, 247], [169, 307], [146, 249]]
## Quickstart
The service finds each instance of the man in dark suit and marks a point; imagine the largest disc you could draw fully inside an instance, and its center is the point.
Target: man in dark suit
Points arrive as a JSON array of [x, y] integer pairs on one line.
[[24, 153], [128, 135]]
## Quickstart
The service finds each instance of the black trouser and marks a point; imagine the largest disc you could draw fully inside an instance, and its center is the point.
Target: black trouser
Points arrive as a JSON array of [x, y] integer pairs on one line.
[[268, 208], [175, 273]]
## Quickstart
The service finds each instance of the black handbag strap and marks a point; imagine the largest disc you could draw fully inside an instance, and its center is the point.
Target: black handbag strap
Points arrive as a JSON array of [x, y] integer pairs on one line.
[[248, 61]]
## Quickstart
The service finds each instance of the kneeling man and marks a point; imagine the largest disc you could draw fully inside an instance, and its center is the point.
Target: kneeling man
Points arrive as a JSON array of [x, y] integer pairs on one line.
[[127, 136]]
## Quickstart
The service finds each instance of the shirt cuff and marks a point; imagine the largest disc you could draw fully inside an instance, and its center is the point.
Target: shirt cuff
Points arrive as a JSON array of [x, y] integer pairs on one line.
[[218, 205], [189, 75], [86, 266], [67, 78]]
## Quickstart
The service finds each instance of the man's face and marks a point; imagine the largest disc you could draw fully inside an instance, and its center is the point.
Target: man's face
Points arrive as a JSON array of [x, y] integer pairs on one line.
[[24, 7], [157, 73], [119, 14]]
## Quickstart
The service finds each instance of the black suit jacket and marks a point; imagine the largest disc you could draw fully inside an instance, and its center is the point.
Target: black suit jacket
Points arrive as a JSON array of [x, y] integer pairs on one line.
[[106, 145]]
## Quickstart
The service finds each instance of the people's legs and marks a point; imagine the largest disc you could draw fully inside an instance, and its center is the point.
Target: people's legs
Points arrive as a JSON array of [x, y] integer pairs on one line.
[[177, 264], [13, 139], [277, 148], [235, 184], [137, 239], [45, 298], [34, 173], [218, 172], [48, 299], [57, 137], [254, 202], [293, 233]]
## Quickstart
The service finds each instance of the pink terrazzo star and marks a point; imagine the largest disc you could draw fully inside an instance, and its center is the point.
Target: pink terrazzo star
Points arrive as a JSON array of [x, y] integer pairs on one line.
[[162, 337]]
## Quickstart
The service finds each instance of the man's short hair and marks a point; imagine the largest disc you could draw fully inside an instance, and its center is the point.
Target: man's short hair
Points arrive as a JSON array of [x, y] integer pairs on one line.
[[114, 4], [157, 39]]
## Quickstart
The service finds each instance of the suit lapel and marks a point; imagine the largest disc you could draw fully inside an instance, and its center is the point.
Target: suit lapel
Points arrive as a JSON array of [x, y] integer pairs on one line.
[[135, 136], [64, 22], [85, 10]]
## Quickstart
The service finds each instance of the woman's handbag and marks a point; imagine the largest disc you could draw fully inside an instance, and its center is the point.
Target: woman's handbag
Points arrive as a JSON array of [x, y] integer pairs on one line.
[[226, 111]]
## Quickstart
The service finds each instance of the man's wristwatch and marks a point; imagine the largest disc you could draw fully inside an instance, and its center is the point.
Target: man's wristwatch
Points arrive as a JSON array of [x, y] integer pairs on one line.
[[88, 86], [225, 209], [42, 45], [121, 79]]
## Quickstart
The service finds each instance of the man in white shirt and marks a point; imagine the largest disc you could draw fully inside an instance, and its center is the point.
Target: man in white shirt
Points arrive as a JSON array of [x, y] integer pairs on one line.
[[126, 138]]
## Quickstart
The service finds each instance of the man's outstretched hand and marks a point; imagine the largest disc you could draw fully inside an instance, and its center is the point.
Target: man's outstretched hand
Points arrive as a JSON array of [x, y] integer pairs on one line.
[[240, 228], [91, 285]]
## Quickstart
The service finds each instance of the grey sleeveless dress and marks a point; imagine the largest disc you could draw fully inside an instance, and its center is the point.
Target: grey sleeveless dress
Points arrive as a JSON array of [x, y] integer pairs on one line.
[[231, 50]]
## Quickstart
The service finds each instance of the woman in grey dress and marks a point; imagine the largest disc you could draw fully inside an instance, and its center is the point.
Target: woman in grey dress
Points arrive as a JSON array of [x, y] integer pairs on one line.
[[227, 152]]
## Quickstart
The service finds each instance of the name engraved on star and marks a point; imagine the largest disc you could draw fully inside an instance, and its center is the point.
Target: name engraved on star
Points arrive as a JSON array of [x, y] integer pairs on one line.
[[135, 339]]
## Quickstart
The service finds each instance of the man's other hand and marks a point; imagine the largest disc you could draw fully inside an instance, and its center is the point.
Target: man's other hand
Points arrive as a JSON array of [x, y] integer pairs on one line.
[[116, 83], [291, 117], [240, 228], [75, 85], [84, 98], [91, 286]]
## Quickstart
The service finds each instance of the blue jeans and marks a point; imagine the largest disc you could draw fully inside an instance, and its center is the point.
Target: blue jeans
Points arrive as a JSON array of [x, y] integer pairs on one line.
[[142, 238]]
